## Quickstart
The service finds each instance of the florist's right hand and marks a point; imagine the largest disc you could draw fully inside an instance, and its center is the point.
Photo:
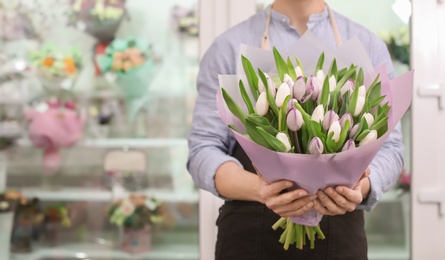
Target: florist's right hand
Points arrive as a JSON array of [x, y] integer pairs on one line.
[[287, 203]]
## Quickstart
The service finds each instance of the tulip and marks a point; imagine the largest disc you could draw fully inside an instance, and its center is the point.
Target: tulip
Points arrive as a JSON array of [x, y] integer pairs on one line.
[[329, 118], [344, 118], [359, 106], [287, 79], [347, 87], [270, 84], [353, 131], [298, 71], [350, 144], [320, 76], [316, 146], [362, 91], [294, 119], [299, 88], [283, 138], [291, 104], [282, 93], [336, 129], [262, 106], [369, 119], [332, 83], [261, 87], [316, 86], [318, 114], [369, 138]]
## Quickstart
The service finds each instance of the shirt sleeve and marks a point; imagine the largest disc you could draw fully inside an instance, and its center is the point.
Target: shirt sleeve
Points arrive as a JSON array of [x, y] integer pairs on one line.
[[209, 140], [388, 163]]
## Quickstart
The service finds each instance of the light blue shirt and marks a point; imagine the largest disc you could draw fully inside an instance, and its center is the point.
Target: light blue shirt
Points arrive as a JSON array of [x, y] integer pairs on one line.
[[211, 142]]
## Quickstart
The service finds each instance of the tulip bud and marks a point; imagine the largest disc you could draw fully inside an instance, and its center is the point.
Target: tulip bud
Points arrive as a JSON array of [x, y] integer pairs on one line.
[[320, 76], [359, 106], [287, 79], [318, 114], [285, 139], [261, 87], [336, 129], [291, 104], [369, 119], [316, 86], [369, 138], [344, 118], [299, 88], [271, 85], [316, 146], [329, 118], [353, 131], [362, 91], [298, 71], [294, 119], [347, 87], [350, 144], [332, 83], [262, 106], [282, 93]]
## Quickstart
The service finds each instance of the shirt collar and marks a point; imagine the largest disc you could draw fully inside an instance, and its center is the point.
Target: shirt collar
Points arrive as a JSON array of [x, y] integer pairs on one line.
[[313, 19]]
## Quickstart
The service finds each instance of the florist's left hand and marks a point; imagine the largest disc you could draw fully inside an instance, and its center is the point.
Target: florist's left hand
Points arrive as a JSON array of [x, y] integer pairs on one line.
[[341, 199]]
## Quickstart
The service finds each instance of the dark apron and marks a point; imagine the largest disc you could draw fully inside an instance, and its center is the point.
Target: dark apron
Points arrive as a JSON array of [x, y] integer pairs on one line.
[[245, 232]]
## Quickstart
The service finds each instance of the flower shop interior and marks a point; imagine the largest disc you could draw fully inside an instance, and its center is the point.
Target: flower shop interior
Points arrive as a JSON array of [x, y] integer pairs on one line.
[[96, 103]]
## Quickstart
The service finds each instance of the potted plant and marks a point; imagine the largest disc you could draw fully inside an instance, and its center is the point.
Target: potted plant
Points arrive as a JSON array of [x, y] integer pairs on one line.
[[135, 215]]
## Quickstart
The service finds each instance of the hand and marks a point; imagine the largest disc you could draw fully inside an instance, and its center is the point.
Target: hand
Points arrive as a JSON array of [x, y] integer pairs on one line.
[[288, 203], [342, 199]]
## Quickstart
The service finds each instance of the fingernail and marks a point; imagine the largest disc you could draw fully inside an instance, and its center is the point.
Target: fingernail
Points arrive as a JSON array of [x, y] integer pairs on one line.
[[310, 205], [313, 197], [329, 191], [320, 195], [289, 184], [339, 189]]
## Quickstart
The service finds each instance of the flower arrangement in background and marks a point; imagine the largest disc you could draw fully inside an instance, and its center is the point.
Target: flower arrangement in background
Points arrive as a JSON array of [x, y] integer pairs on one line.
[[327, 123], [185, 20], [56, 69], [99, 18], [57, 214], [136, 215], [398, 43], [133, 64]]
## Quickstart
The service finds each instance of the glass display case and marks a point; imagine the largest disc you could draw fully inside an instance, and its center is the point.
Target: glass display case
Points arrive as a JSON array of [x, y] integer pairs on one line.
[[118, 78]]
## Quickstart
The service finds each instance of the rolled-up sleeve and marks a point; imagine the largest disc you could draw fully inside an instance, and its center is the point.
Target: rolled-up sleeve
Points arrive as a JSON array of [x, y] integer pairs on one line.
[[209, 140]]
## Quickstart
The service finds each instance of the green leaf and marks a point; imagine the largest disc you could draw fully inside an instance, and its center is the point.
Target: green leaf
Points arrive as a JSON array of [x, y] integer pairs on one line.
[[233, 107], [342, 72], [330, 143], [345, 78], [246, 98], [234, 128], [362, 135], [376, 102], [280, 63], [299, 64], [333, 70], [362, 127], [276, 144], [343, 135], [344, 104], [263, 122], [325, 94], [283, 113], [360, 78], [255, 135], [270, 97], [320, 63], [382, 122], [291, 70], [252, 78], [353, 101]]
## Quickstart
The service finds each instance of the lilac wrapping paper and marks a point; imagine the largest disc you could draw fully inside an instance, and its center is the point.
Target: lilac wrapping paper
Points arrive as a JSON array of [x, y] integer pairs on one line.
[[312, 172]]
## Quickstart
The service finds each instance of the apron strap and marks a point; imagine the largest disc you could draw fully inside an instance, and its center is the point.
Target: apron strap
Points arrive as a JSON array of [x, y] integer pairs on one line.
[[265, 41]]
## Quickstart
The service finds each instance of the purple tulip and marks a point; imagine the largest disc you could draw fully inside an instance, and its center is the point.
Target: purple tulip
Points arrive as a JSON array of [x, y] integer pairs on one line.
[[294, 119], [329, 118], [344, 118], [316, 146], [299, 88], [350, 144]]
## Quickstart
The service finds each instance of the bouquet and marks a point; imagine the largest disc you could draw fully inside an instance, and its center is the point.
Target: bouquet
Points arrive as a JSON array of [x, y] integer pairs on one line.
[[324, 113], [57, 70], [134, 65], [185, 20], [99, 18], [54, 124]]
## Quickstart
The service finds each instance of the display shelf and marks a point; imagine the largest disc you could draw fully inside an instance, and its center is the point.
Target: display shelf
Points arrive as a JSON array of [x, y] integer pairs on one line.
[[123, 142], [96, 251], [83, 194], [388, 253]]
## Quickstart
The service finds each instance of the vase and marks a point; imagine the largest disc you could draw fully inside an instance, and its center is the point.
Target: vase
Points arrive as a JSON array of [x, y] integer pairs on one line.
[[5, 233], [136, 241]]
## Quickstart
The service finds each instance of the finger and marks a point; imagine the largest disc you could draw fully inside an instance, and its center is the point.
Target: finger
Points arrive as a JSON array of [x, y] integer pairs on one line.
[[330, 204], [298, 212], [321, 209], [340, 200], [294, 204], [275, 188], [354, 195]]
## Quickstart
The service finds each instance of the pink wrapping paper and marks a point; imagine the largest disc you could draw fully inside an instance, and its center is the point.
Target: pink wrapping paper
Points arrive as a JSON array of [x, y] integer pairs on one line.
[[312, 172]]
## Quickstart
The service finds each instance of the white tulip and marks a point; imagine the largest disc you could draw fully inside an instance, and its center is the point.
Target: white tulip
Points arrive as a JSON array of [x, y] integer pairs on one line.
[[369, 138], [298, 71], [359, 106], [261, 87], [285, 139], [329, 118], [287, 79], [316, 146], [299, 88], [262, 106], [320, 76], [318, 114], [332, 83], [347, 87], [336, 129], [317, 87], [369, 119], [350, 144], [282, 93]]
